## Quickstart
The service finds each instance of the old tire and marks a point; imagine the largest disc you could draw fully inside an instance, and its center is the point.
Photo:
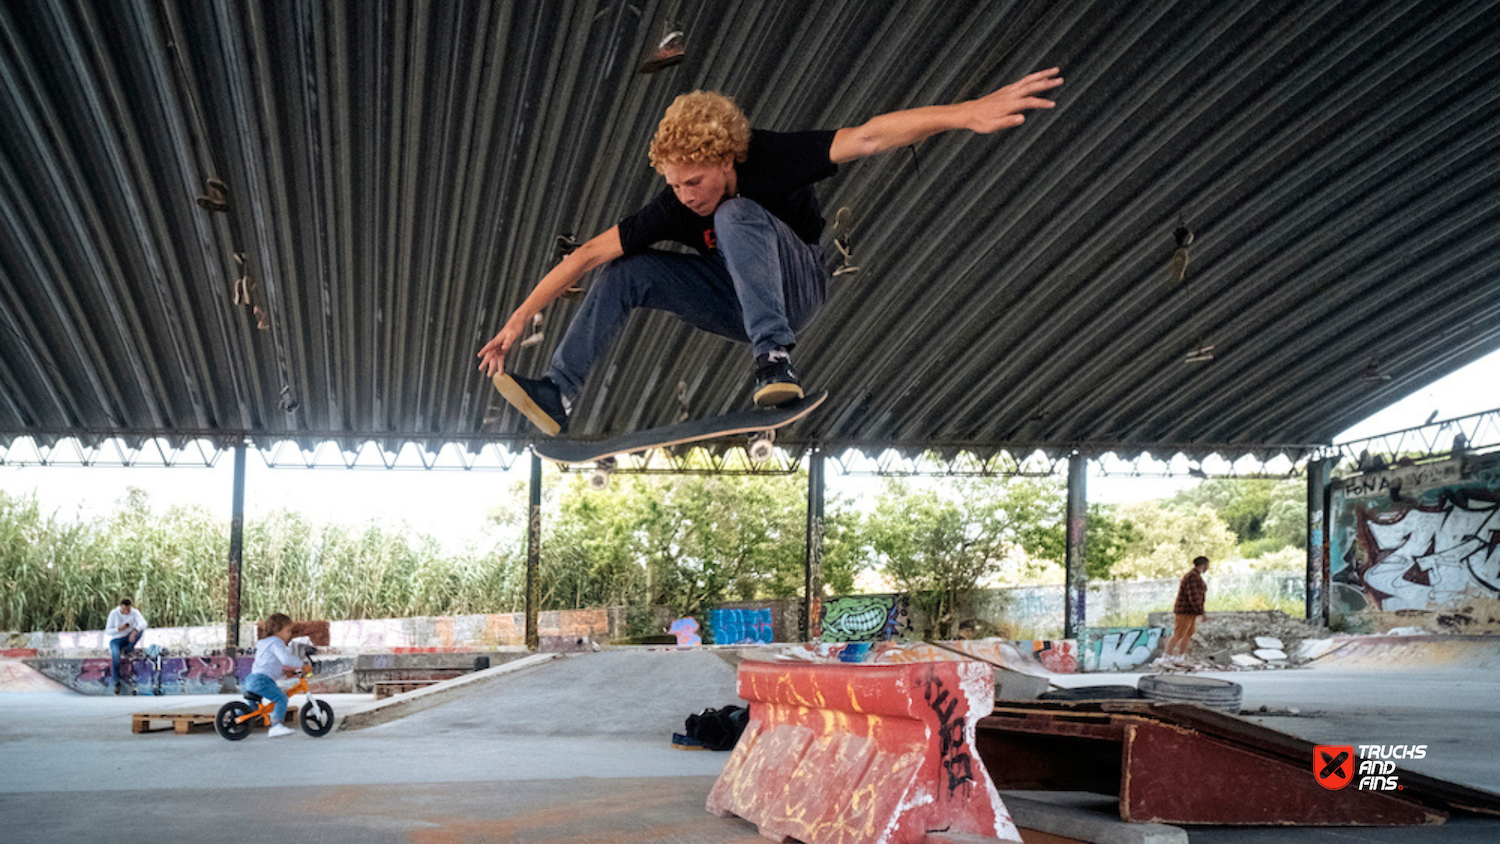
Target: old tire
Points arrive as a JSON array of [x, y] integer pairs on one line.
[[1190, 688], [1092, 693]]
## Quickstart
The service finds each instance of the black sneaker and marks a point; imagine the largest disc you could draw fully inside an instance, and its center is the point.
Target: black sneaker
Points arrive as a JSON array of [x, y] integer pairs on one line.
[[538, 400], [776, 382]]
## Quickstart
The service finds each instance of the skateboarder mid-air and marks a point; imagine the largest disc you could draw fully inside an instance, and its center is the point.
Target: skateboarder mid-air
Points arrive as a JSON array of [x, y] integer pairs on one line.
[[742, 199]]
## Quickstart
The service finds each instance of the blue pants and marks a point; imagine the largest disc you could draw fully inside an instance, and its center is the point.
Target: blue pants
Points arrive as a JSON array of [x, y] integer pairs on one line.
[[762, 286], [119, 646], [267, 688]]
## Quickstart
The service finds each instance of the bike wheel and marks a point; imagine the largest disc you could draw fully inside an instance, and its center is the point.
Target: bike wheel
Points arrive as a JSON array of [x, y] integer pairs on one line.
[[228, 724], [317, 720]]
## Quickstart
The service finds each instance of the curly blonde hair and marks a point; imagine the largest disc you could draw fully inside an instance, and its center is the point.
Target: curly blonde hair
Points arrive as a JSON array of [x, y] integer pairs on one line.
[[700, 128]]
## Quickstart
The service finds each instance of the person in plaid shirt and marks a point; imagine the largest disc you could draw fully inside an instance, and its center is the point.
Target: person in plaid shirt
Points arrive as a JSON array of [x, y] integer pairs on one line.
[[1191, 593]]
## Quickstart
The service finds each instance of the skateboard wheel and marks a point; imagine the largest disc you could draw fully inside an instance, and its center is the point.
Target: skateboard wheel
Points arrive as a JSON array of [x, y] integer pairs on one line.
[[599, 478], [761, 446]]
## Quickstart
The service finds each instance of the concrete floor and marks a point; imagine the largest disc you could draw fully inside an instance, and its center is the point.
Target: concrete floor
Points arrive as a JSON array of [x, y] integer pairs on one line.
[[578, 751]]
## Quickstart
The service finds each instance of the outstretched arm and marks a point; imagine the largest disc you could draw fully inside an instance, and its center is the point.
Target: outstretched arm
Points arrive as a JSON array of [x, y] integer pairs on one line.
[[601, 249], [997, 110]]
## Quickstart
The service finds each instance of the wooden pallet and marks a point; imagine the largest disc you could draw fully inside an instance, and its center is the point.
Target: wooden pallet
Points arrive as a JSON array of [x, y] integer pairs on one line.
[[190, 722], [385, 688]]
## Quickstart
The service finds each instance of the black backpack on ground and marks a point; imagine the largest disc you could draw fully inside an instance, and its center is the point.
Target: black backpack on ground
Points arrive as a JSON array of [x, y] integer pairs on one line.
[[718, 729]]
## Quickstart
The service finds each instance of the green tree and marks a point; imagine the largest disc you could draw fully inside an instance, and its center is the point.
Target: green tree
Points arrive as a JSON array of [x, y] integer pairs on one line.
[[1265, 515], [688, 542], [1109, 538], [941, 541], [1170, 537]]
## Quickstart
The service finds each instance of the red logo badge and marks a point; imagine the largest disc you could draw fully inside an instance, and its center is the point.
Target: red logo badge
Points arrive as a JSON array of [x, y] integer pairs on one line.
[[1333, 765]]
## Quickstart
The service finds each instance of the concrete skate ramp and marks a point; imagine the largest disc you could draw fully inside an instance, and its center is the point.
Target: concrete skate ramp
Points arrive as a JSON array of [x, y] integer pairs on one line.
[[633, 693], [1405, 652], [17, 676]]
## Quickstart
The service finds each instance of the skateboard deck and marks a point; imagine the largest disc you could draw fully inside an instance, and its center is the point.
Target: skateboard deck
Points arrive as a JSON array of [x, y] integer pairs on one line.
[[697, 430]]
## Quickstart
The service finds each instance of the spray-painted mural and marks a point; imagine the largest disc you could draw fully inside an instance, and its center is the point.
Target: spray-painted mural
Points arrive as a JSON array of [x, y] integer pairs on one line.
[[163, 675], [742, 626], [865, 618], [686, 631], [1059, 656], [1118, 648], [1417, 546]]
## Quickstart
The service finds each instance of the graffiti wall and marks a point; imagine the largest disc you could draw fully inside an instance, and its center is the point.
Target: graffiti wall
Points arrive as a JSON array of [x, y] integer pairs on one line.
[[566, 627], [865, 618], [1118, 648], [466, 632], [1417, 546], [742, 626], [142, 675], [1059, 656]]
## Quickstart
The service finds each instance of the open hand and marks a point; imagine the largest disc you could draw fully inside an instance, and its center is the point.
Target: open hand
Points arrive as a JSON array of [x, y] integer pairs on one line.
[[1002, 109], [492, 354]]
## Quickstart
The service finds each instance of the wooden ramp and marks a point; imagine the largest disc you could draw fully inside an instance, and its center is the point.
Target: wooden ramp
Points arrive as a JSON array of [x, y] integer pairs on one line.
[[1180, 763]]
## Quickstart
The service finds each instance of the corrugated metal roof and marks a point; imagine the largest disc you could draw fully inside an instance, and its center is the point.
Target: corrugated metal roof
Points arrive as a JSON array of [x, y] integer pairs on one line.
[[398, 173]]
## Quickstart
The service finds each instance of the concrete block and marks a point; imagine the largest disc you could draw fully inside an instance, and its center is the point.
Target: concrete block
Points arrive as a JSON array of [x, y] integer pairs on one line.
[[871, 753]]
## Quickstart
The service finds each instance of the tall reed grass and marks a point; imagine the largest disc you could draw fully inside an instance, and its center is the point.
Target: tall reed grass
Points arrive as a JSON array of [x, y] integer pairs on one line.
[[58, 574]]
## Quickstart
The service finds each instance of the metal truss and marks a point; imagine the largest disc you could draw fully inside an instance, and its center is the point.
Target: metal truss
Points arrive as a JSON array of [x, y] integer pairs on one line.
[[397, 451], [948, 462], [113, 452], [1291, 463], [704, 460], [347, 451], [408, 455], [966, 461], [1470, 435]]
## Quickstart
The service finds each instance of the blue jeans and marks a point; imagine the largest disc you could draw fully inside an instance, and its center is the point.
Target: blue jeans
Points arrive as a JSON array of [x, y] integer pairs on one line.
[[119, 646], [762, 286], [267, 688]]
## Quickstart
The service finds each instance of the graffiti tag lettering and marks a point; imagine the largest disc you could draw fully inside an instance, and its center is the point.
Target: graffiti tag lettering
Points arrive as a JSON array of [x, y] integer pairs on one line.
[[1119, 648], [1059, 656], [739, 626], [954, 749], [1425, 557]]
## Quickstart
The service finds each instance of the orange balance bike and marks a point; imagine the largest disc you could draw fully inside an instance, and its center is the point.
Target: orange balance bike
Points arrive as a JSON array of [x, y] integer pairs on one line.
[[238, 717]]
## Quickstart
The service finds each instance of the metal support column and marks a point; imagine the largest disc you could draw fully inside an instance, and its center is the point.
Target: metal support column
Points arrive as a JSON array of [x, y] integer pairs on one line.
[[1076, 591], [534, 554], [812, 582], [236, 548], [1318, 474]]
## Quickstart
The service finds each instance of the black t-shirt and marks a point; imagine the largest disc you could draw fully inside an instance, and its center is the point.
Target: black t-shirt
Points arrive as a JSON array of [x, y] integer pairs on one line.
[[778, 173]]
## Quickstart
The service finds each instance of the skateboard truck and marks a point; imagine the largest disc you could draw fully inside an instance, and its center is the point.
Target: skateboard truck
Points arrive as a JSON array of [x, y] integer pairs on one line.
[[755, 424]]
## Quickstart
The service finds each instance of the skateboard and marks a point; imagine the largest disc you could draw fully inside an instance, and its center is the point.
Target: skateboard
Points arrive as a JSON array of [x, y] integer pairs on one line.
[[760, 424]]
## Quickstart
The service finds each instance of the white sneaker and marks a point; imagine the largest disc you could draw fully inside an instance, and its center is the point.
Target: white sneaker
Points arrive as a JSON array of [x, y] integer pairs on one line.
[[279, 730]]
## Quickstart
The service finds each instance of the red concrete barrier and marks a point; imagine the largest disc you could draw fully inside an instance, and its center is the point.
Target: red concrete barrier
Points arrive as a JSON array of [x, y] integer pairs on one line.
[[841, 753]]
